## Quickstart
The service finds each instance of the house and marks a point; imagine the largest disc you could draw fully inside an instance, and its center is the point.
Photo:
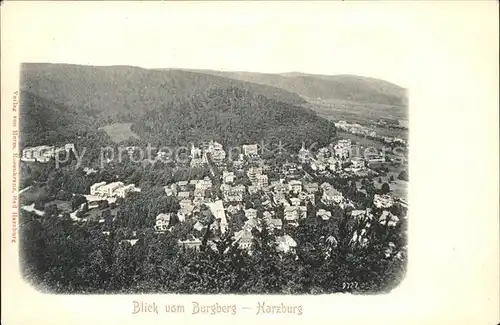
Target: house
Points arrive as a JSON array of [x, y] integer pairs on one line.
[[275, 224], [326, 186], [289, 169], [186, 207], [357, 163], [94, 187], [123, 190], [285, 244], [295, 201], [342, 149], [111, 189], [238, 164], [193, 182], [108, 189], [332, 196], [194, 243], [323, 214], [195, 152], [322, 153], [162, 221], [251, 150], [333, 163], [304, 155], [44, 153], [280, 188], [168, 191], [251, 213], [198, 193], [182, 186], [89, 171], [244, 239], [341, 124], [204, 184], [262, 181], [216, 150], [295, 186], [341, 153], [293, 213], [199, 226], [232, 193], [317, 165], [164, 156], [196, 162], [253, 174], [228, 177], [306, 197], [387, 218], [253, 189], [383, 201], [132, 242], [252, 223], [183, 195], [234, 208], [389, 250], [311, 188], [217, 209], [279, 197], [358, 213]]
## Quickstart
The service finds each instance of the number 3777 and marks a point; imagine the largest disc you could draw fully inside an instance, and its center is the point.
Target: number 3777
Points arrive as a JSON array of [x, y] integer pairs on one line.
[[350, 285]]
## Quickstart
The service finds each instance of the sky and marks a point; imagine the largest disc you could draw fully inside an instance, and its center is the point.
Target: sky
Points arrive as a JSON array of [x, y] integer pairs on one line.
[[360, 38]]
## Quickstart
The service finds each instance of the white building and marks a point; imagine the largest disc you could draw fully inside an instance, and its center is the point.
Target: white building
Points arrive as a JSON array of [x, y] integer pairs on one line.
[[295, 201], [251, 213], [285, 243], [244, 239], [94, 187], [293, 213], [387, 218], [304, 155], [262, 181], [217, 209], [44, 153], [332, 196], [250, 150], [123, 190], [228, 177], [216, 150], [323, 214], [113, 189], [162, 221], [357, 163], [383, 201], [253, 174], [295, 186]]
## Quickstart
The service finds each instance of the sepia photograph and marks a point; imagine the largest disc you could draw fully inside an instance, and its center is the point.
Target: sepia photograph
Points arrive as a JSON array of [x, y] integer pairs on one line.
[[186, 180]]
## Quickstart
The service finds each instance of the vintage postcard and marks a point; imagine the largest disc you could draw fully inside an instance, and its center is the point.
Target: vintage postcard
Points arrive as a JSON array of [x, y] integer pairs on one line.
[[222, 162]]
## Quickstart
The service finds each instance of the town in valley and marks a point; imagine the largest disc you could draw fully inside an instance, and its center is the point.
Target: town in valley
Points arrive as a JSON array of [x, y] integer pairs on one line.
[[280, 214]]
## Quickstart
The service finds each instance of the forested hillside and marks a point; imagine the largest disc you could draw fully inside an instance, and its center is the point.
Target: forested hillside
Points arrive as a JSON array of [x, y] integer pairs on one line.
[[44, 121], [233, 116], [123, 93]]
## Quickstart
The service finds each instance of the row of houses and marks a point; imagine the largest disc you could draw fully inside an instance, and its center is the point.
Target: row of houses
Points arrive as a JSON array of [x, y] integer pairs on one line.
[[355, 128], [45, 153]]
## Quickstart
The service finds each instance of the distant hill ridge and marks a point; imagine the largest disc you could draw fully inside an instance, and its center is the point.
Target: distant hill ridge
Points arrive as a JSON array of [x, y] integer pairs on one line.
[[341, 87]]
